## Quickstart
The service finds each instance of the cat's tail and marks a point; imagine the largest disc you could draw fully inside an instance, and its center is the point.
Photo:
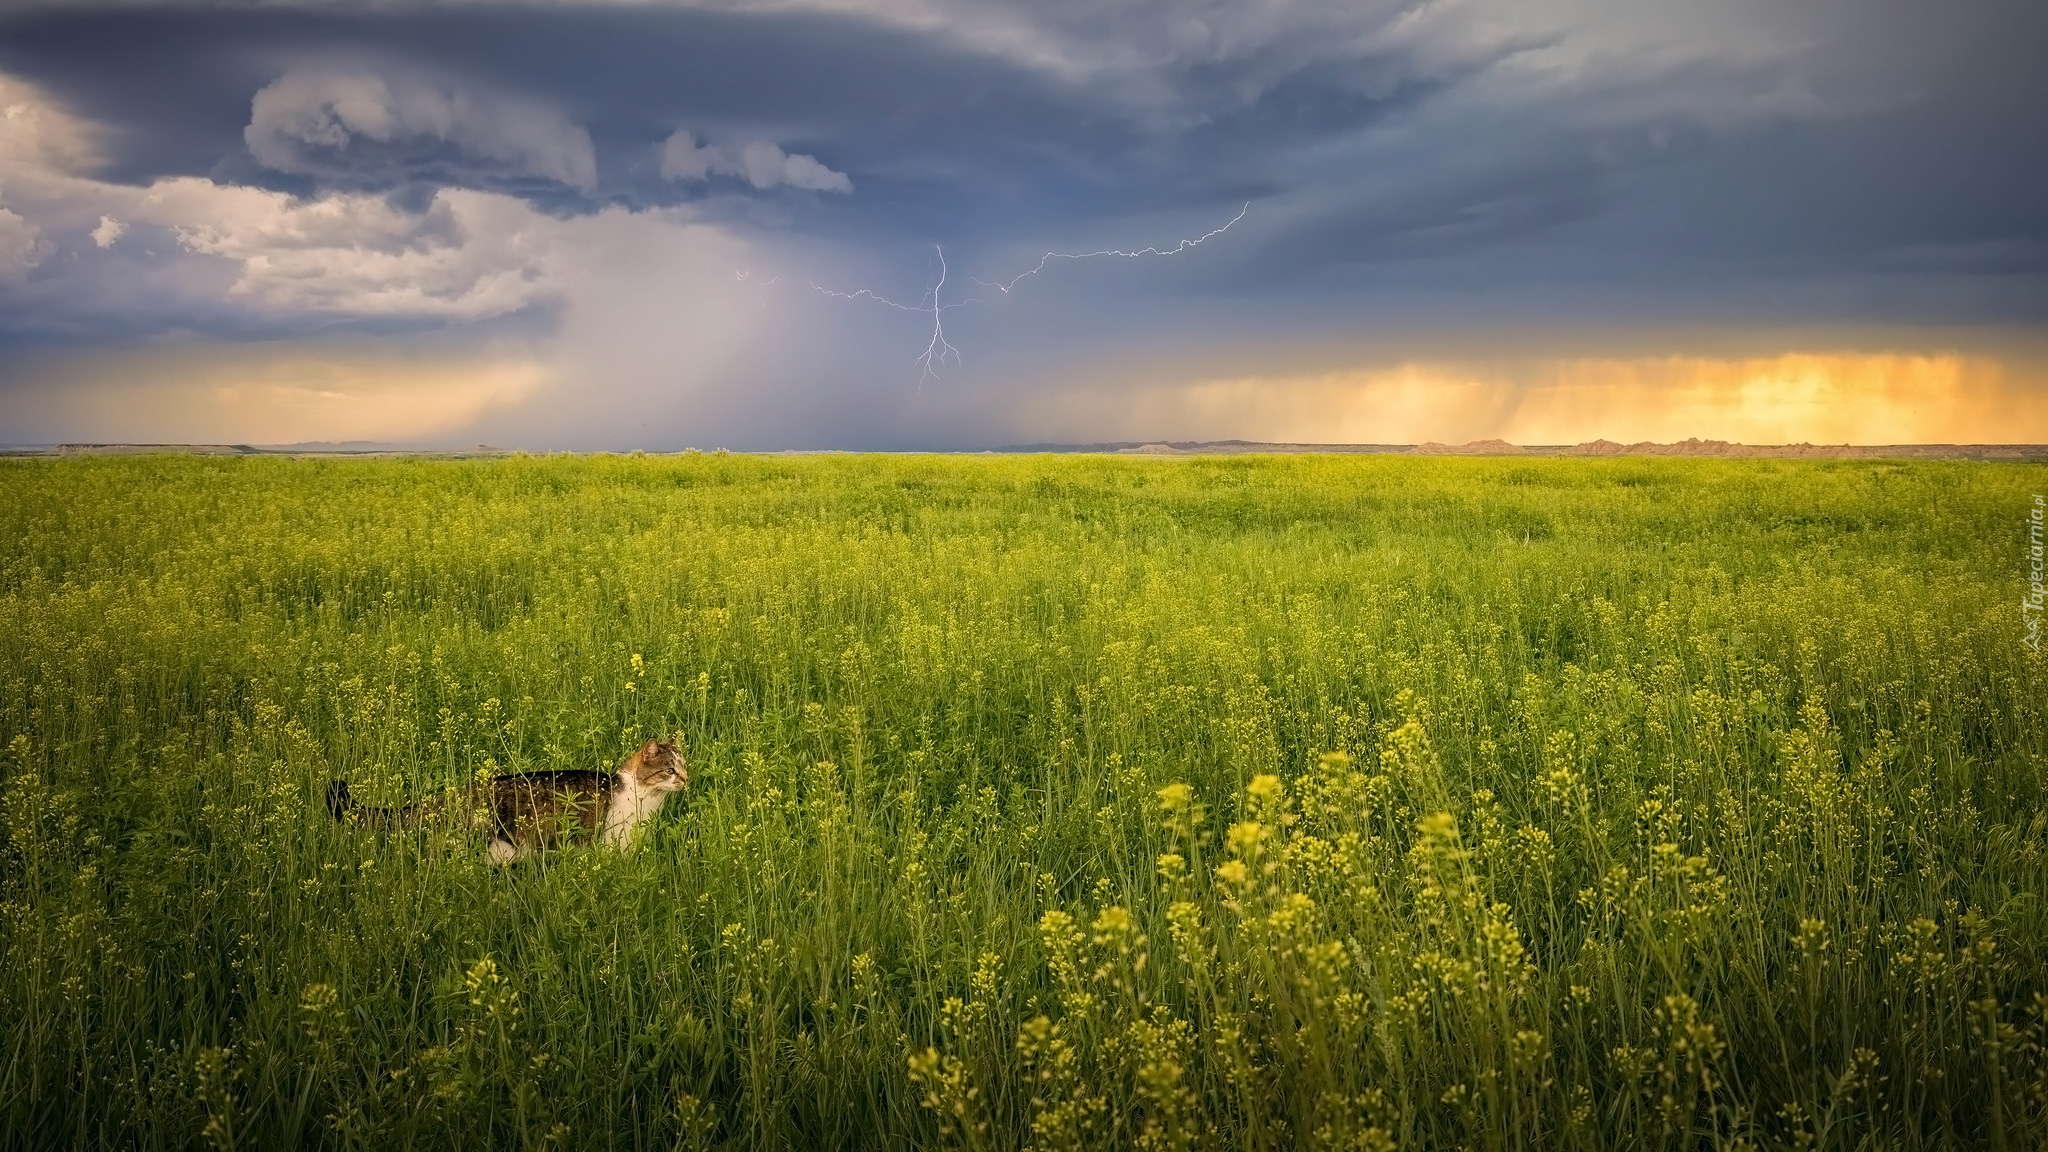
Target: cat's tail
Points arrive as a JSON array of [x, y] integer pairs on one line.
[[341, 806]]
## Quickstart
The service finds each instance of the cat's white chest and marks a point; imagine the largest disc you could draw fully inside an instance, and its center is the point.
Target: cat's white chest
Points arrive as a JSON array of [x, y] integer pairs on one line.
[[631, 805]]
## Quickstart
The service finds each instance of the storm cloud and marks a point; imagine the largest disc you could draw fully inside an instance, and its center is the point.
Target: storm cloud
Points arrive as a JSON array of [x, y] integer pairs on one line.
[[375, 126], [1573, 174]]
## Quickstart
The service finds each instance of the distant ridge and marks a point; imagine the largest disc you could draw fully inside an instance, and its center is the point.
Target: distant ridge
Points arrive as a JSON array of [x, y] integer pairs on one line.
[[303, 448], [146, 449], [1689, 447], [1208, 448]]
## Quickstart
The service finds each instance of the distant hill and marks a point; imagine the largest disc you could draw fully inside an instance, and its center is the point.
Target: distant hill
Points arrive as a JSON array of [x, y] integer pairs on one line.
[[1691, 447], [302, 448], [339, 446]]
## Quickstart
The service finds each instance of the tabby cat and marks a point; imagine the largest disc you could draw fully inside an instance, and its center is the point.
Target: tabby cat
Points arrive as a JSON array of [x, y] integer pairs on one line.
[[536, 810]]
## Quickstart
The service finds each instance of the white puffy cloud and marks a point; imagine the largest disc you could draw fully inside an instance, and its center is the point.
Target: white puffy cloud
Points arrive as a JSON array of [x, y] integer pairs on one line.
[[335, 122], [641, 316], [194, 247], [20, 242], [682, 158], [766, 165], [468, 256], [38, 135], [761, 163]]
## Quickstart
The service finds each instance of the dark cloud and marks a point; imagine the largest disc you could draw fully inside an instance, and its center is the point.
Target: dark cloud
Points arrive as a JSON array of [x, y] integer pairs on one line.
[[923, 117], [935, 129], [1867, 158], [376, 127]]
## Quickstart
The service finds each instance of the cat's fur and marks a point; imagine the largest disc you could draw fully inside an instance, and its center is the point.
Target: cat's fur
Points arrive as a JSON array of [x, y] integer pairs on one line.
[[536, 810]]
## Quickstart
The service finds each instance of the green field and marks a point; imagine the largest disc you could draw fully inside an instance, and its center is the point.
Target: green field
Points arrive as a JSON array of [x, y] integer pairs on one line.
[[1065, 802]]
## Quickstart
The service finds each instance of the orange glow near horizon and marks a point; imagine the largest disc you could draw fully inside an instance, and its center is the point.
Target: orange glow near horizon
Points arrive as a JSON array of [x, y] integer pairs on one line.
[[267, 396], [270, 394], [1832, 398]]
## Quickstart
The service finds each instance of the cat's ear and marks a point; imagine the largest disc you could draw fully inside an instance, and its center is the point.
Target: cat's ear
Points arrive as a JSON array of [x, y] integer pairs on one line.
[[648, 748]]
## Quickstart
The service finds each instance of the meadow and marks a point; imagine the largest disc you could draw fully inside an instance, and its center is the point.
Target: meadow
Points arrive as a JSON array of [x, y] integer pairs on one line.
[[1055, 802]]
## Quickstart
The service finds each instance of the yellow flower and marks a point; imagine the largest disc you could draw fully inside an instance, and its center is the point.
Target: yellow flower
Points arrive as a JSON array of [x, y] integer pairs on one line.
[[1245, 837], [1114, 921]]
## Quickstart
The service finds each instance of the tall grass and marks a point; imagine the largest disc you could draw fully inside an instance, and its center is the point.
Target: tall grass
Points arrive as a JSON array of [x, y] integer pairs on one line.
[[1053, 802]]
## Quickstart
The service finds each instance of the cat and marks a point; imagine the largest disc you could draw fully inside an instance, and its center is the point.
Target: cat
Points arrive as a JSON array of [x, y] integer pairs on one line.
[[536, 810]]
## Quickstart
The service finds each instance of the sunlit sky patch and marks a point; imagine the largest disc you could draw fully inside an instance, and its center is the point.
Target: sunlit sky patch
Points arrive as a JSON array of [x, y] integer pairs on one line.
[[608, 225]]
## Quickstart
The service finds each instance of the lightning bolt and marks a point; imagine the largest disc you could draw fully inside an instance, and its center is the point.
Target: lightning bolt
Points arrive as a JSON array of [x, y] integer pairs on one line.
[[937, 350], [938, 346], [1044, 261]]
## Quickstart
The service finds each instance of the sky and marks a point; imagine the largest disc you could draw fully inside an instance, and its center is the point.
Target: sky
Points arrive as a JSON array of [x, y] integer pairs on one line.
[[958, 224]]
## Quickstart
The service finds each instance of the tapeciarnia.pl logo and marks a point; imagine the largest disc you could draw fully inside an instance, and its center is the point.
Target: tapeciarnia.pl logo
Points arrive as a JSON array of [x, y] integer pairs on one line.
[[2032, 603]]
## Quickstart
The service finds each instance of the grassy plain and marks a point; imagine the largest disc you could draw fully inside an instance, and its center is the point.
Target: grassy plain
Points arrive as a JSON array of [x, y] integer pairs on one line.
[[1325, 802]]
